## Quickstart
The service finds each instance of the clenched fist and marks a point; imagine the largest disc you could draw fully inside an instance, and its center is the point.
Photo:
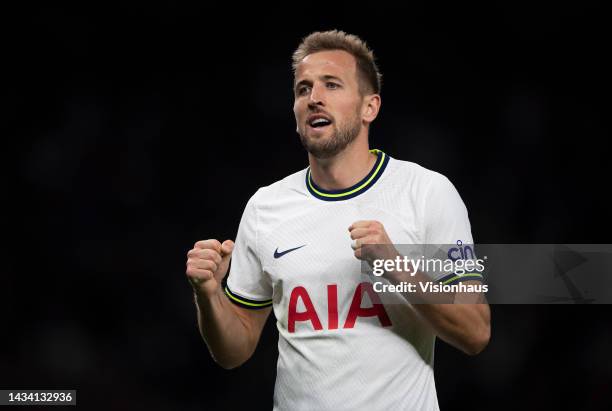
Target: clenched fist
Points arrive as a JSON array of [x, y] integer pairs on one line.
[[372, 234], [207, 264]]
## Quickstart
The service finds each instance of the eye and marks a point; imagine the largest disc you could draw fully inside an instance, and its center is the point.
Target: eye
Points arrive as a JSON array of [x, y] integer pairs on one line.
[[332, 85], [302, 90]]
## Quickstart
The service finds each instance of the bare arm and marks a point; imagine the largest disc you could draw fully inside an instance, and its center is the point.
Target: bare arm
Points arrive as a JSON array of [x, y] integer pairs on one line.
[[464, 326], [230, 332], [462, 320]]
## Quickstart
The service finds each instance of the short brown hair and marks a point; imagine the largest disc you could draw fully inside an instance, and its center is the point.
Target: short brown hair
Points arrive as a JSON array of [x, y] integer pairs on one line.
[[370, 79]]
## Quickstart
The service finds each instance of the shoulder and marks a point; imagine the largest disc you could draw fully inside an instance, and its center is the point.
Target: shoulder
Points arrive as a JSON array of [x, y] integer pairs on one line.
[[419, 179], [273, 204], [282, 190]]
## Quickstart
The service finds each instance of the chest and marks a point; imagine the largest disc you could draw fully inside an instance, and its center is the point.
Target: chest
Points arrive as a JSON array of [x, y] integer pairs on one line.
[[311, 253]]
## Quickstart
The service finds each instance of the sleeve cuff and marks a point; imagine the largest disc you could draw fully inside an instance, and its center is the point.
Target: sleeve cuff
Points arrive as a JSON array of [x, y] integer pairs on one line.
[[458, 278], [246, 302]]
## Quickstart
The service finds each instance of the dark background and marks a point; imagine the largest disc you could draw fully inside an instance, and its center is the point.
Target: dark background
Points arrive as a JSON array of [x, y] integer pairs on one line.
[[129, 133]]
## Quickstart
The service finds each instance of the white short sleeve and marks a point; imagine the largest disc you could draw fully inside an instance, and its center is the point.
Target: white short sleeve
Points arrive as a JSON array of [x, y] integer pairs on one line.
[[445, 215], [446, 223], [247, 285]]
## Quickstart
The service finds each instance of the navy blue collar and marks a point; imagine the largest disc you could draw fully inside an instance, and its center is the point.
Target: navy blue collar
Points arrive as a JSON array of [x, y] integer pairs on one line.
[[353, 191]]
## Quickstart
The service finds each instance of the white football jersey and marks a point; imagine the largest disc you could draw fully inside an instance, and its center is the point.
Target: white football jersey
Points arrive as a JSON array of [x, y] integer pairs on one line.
[[339, 347]]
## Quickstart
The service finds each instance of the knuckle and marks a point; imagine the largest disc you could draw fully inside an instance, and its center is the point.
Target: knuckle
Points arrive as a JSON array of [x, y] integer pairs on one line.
[[213, 254], [208, 253], [202, 253], [209, 265], [207, 244]]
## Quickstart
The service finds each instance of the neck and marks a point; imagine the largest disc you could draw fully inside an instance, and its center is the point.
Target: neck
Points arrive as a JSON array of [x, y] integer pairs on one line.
[[345, 168]]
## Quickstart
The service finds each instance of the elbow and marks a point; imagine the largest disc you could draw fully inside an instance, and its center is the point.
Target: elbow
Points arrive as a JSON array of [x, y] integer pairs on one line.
[[478, 341], [231, 360], [228, 363]]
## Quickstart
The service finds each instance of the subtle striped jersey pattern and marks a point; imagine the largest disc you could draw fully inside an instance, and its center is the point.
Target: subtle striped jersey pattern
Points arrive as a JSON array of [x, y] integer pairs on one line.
[[368, 365]]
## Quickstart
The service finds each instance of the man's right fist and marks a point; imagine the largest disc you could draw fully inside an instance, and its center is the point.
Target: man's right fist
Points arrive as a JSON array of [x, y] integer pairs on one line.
[[207, 264]]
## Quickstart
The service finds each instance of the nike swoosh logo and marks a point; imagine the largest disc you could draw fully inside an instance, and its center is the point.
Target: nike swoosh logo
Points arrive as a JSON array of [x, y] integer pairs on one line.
[[282, 253]]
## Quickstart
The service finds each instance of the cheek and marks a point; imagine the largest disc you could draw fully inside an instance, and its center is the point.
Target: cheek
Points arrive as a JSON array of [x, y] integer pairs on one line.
[[297, 109], [351, 111]]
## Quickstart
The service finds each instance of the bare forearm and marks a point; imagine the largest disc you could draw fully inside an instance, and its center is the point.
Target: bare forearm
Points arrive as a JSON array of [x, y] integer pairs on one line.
[[230, 332], [464, 326], [228, 338], [462, 320]]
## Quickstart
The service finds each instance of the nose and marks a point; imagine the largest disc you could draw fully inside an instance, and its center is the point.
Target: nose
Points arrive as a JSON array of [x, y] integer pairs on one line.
[[316, 98]]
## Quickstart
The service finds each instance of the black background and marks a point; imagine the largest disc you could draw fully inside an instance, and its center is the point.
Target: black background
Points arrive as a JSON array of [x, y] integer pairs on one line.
[[132, 132]]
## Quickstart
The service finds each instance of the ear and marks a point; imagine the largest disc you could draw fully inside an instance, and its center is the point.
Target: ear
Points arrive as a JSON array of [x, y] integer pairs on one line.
[[371, 107]]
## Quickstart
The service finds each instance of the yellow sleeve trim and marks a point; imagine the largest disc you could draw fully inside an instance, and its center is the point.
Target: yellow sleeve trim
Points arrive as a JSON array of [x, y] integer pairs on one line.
[[243, 301]]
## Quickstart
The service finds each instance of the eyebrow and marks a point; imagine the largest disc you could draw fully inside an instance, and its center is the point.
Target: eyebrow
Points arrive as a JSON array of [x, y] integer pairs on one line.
[[330, 77], [325, 77]]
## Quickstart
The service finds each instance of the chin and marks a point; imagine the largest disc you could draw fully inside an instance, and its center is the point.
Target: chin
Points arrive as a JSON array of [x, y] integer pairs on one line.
[[318, 135]]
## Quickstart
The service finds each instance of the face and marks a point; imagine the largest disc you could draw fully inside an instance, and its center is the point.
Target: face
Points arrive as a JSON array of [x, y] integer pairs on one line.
[[328, 105]]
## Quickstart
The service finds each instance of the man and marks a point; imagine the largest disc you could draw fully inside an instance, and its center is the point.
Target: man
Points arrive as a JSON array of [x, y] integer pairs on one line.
[[299, 246]]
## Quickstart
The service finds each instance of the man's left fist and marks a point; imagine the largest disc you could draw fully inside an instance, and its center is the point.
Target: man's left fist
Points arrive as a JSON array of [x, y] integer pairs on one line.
[[371, 232]]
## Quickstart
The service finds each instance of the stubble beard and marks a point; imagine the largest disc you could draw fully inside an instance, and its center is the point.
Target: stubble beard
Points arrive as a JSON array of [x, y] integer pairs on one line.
[[342, 135]]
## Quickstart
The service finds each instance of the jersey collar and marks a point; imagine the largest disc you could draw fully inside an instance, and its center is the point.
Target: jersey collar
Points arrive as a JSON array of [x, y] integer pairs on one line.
[[353, 191]]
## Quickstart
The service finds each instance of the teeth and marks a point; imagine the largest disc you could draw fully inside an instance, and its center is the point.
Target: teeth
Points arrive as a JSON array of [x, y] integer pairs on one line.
[[319, 121]]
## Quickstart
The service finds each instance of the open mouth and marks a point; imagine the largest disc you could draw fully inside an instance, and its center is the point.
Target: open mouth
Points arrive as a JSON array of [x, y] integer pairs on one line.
[[319, 121]]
